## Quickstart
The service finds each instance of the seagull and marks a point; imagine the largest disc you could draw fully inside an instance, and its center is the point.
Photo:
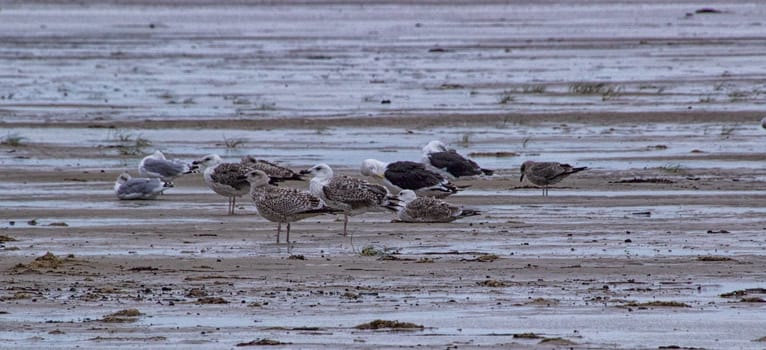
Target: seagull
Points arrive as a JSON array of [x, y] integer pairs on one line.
[[406, 175], [226, 179], [450, 163], [277, 173], [429, 209], [351, 195], [156, 165], [282, 204], [127, 187], [546, 173]]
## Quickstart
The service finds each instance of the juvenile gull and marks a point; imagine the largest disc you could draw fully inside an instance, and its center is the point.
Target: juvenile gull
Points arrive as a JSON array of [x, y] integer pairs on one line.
[[226, 179], [156, 165], [450, 163], [429, 209], [276, 173], [351, 195], [282, 204], [127, 187], [546, 173], [405, 175]]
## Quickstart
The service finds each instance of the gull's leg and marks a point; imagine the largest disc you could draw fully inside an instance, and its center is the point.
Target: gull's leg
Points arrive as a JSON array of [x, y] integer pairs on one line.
[[345, 224], [288, 235], [279, 229]]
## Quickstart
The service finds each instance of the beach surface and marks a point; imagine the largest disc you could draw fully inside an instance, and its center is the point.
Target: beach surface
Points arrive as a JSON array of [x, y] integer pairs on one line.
[[659, 244]]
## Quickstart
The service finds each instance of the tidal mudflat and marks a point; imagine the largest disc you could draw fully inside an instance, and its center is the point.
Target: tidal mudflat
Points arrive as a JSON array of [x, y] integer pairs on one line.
[[659, 244]]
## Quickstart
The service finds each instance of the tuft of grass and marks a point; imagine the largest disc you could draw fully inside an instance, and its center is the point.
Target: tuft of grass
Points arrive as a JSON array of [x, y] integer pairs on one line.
[[533, 89], [672, 168], [612, 92], [727, 131], [321, 130], [13, 140], [607, 91], [128, 143], [506, 98], [587, 88], [739, 95], [465, 140], [232, 143]]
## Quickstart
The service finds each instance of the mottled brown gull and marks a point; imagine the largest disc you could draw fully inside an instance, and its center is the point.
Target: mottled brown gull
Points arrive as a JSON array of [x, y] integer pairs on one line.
[[351, 195], [429, 209], [276, 172], [226, 179], [283, 204], [546, 173]]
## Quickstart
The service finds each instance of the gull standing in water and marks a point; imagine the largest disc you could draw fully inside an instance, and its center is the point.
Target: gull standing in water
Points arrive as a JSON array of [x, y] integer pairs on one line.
[[406, 175], [127, 187], [282, 204], [450, 163], [351, 195], [546, 173], [226, 179], [156, 165], [429, 209]]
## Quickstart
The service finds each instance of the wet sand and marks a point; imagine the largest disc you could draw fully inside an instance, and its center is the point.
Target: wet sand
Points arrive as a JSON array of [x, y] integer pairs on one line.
[[659, 244]]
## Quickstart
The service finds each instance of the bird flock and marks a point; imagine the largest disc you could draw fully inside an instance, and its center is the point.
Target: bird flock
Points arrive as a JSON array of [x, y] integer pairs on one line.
[[419, 187]]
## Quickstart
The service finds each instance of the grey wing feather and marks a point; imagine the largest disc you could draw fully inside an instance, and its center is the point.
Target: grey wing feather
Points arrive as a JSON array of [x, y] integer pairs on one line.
[[548, 170], [139, 187], [163, 167]]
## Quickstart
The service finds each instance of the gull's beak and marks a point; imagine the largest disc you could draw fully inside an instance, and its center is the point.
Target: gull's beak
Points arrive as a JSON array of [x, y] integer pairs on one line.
[[521, 178], [305, 171]]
